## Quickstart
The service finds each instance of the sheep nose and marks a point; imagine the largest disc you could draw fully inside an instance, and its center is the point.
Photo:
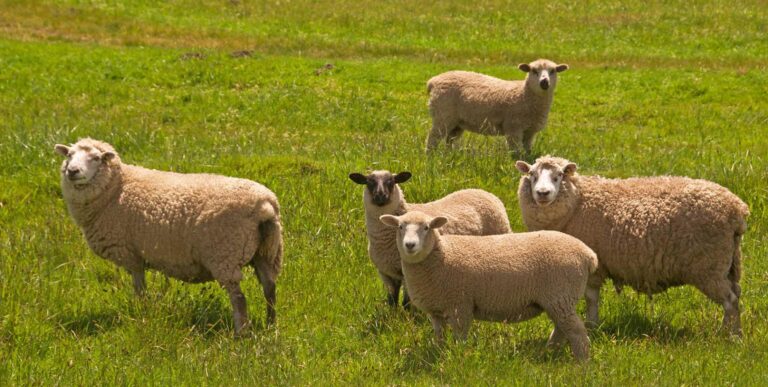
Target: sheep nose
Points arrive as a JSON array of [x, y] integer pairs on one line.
[[543, 192], [544, 83], [72, 172], [410, 245]]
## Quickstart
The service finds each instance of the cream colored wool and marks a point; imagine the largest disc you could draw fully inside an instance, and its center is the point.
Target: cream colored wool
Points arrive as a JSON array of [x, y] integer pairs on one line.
[[193, 227], [472, 212], [512, 277], [463, 100], [650, 233]]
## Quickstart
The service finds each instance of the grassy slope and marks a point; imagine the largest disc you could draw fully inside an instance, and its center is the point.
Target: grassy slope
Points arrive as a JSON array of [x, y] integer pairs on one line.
[[652, 90]]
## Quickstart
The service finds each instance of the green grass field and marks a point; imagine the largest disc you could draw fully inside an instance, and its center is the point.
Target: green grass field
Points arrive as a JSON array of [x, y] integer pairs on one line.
[[654, 88]]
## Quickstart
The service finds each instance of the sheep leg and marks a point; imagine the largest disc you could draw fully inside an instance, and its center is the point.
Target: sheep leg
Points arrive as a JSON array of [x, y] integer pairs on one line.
[[569, 325], [269, 287], [139, 283], [528, 137], [722, 292], [592, 296], [514, 142], [239, 307], [406, 299], [556, 338], [393, 288], [438, 132], [460, 324], [437, 324], [453, 136]]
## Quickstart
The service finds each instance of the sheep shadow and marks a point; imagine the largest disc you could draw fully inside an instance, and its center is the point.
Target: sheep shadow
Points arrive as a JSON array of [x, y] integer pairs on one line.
[[635, 326], [384, 317], [90, 323]]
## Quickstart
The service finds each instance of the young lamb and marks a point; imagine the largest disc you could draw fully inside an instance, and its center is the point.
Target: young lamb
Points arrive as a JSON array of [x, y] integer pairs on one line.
[[193, 227], [512, 277], [649, 233], [472, 211], [462, 100]]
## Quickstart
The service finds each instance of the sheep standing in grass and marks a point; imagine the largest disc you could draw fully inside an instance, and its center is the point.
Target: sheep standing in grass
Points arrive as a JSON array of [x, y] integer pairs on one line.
[[649, 233], [194, 227], [462, 100], [472, 211], [513, 277]]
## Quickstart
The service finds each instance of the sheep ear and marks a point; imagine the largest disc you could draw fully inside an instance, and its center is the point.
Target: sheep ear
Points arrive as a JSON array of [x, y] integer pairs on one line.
[[61, 149], [358, 178], [402, 177], [525, 67], [106, 156], [438, 222], [523, 167], [570, 169], [390, 220], [561, 67]]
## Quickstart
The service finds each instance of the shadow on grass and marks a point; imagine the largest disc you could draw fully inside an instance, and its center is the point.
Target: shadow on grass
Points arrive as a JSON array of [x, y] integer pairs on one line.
[[385, 316], [635, 326], [90, 323]]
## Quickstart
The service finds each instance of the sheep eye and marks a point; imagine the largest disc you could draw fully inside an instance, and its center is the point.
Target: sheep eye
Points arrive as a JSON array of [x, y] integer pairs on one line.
[[535, 72], [426, 228]]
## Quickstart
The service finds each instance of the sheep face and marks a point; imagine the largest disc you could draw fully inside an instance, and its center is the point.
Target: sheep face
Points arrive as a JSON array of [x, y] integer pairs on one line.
[[546, 177], [380, 185], [82, 163], [542, 75], [416, 234]]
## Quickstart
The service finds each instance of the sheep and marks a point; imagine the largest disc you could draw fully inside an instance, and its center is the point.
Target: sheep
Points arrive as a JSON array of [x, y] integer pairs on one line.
[[650, 233], [463, 100], [193, 227], [512, 277], [473, 211]]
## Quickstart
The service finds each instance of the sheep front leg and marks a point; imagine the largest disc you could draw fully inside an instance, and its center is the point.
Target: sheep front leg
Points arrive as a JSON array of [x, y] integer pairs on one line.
[[393, 288], [239, 307], [528, 137], [438, 322], [139, 283], [514, 142]]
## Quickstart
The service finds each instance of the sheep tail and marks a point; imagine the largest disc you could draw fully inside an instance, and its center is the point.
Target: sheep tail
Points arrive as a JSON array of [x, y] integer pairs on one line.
[[271, 244], [592, 262]]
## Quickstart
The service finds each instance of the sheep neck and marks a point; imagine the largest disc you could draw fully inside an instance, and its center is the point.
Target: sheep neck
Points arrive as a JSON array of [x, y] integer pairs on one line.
[[396, 206]]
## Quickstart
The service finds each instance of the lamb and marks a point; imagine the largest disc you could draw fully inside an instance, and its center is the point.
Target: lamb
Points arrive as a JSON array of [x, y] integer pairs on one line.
[[510, 277], [193, 227], [462, 100], [650, 233], [472, 211]]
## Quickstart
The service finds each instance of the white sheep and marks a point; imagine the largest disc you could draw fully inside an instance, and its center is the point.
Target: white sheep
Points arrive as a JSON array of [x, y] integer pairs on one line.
[[649, 233], [463, 100], [512, 277], [193, 227], [472, 211]]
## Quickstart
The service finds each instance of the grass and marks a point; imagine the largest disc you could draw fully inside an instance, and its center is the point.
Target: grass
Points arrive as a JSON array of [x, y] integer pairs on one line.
[[654, 88]]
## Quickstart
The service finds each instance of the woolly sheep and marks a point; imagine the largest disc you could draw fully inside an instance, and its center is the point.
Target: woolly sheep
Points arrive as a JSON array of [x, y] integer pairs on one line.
[[193, 227], [472, 211], [511, 277], [463, 100], [649, 233]]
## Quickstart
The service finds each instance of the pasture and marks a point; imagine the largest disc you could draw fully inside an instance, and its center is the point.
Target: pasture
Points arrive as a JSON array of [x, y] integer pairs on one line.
[[242, 89]]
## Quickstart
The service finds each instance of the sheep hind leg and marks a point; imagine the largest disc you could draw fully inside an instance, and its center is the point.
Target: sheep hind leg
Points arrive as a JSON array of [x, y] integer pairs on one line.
[[269, 287], [592, 297], [239, 307], [569, 325], [722, 292]]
